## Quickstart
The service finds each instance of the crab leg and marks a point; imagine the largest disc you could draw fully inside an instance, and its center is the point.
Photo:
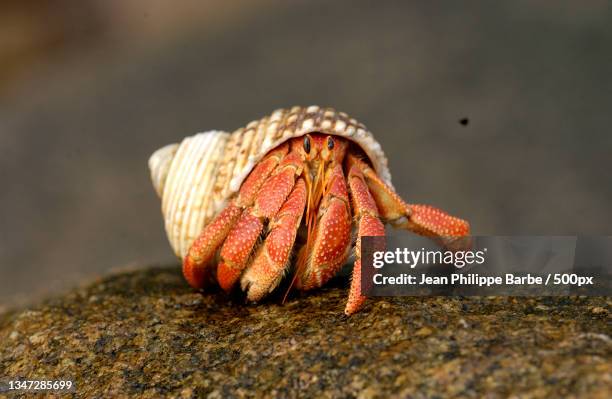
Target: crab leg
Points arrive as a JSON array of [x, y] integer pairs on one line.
[[241, 240], [196, 265], [368, 224], [266, 271], [320, 260], [421, 219]]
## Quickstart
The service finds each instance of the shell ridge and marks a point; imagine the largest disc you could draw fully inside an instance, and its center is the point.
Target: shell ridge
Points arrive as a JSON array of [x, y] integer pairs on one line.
[[218, 159], [177, 205], [190, 200], [175, 171], [201, 198]]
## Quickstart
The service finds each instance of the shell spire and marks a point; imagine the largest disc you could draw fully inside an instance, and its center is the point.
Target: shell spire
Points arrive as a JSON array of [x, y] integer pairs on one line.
[[159, 166], [196, 177]]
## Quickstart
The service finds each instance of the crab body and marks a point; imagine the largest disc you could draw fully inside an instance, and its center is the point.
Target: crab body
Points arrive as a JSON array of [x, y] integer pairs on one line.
[[307, 199]]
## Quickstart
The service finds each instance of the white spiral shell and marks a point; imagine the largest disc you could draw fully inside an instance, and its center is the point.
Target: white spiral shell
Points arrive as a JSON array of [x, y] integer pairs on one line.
[[195, 178]]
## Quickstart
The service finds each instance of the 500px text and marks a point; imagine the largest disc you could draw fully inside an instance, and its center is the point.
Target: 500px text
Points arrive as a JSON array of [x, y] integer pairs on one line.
[[483, 281]]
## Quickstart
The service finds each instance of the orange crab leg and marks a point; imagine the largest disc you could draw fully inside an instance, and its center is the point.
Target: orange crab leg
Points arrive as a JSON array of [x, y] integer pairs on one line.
[[195, 265], [368, 225], [242, 238], [332, 236], [237, 248], [421, 219], [271, 260], [197, 261]]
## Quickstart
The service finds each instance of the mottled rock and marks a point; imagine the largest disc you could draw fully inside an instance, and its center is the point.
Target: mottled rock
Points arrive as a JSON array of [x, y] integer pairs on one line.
[[147, 334]]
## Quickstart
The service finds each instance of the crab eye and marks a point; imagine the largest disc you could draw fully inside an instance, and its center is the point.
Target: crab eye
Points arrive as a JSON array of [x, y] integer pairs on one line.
[[330, 143], [307, 144]]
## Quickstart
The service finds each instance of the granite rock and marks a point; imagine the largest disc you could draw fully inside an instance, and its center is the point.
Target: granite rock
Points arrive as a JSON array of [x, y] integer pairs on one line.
[[145, 333]]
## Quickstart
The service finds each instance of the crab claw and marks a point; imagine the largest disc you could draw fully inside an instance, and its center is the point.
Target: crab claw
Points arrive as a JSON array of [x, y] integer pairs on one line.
[[331, 241]]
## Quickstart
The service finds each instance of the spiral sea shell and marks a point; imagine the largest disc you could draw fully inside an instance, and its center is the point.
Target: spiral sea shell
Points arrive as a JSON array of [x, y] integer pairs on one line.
[[195, 178]]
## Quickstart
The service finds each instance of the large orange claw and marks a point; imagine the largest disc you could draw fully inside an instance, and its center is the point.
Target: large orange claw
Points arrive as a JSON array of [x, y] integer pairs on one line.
[[331, 242]]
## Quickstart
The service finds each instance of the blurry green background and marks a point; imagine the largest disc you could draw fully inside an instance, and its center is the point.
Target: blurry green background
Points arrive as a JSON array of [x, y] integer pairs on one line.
[[89, 89]]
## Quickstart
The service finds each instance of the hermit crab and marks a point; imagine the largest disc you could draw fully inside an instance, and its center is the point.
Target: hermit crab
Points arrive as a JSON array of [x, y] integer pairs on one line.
[[290, 192]]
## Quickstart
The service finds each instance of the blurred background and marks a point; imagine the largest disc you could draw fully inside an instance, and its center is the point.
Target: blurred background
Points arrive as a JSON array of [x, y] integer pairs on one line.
[[89, 89]]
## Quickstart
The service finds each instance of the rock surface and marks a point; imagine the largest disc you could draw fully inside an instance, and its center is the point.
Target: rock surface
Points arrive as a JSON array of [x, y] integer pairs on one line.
[[145, 333]]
